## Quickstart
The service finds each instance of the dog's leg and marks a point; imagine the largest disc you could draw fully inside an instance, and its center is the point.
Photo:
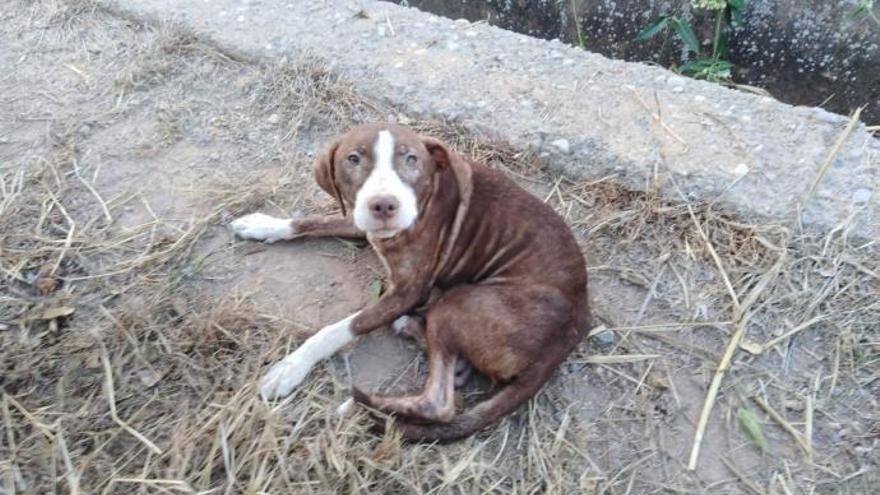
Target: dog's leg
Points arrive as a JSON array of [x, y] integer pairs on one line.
[[261, 227], [411, 326], [327, 226], [290, 371], [286, 374], [435, 403], [463, 371]]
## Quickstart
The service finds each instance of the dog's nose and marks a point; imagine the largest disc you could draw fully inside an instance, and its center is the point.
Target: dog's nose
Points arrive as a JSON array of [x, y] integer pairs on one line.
[[383, 207]]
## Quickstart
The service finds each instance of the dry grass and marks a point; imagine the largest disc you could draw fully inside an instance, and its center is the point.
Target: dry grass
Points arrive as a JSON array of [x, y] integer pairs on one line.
[[126, 371]]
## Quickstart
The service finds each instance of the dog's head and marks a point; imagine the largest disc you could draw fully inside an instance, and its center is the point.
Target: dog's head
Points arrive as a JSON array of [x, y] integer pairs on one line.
[[383, 174]]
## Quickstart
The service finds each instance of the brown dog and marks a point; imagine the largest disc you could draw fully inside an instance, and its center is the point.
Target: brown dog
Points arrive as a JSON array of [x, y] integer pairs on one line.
[[514, 282]]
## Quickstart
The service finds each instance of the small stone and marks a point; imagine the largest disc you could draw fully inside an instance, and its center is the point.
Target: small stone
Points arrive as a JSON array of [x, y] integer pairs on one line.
[[604, 338], [471, 34], [741, 169], [240, 18], [563, 145], [678, 89], [568, 61], [861, 195], [274, 119], [85, 129], [346, 408]]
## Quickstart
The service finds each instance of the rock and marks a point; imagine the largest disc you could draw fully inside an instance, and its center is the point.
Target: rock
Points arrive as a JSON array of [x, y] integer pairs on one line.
[[274, 119], [604, 338], [562, 145]]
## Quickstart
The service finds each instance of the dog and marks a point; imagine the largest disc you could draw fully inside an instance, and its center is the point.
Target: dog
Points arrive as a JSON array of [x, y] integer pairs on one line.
[[514, 300]]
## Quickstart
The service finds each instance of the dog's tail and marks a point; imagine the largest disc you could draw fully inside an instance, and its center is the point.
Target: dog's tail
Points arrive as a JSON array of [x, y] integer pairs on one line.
[[507, 400]]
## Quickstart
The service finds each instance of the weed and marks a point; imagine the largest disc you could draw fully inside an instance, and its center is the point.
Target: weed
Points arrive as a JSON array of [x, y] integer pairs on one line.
[[864, 10], [716, 67]]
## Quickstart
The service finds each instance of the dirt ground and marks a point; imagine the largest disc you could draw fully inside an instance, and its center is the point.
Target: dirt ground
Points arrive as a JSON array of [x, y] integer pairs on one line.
[[133, 327]]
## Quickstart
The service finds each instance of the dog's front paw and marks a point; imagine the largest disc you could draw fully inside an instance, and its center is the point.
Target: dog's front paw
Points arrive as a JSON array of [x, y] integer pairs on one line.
[[260, 227], [282, 378]]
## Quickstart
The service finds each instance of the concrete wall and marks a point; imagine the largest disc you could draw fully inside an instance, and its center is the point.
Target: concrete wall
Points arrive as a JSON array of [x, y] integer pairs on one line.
[[802, 51]]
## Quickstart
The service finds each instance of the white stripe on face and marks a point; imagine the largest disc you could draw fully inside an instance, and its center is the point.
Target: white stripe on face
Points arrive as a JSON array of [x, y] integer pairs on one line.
[[383, 151], [384, 181]]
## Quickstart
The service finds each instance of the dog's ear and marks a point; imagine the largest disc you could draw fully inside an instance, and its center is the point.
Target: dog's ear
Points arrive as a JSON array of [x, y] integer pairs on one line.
[[439, 152], [325, 175]]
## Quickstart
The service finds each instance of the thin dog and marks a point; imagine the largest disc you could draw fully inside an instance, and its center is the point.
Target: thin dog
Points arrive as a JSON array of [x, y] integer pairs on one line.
[[514, 297]]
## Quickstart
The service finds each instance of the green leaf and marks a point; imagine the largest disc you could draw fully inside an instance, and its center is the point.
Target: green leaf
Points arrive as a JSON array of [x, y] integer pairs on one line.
[[723, 49], [651, 30], [752, 427], [858, 13], [376, 289], [686, 34], [708, 69], [692, 68], [733, 11]]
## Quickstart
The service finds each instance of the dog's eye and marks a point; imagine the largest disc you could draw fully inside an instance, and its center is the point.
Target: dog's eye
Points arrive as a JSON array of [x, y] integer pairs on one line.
[[411, 159], [354, 159]]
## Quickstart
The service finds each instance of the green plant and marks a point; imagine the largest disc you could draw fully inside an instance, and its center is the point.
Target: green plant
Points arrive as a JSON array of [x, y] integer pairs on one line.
[[716, 67], [581, 42], [864, 10]]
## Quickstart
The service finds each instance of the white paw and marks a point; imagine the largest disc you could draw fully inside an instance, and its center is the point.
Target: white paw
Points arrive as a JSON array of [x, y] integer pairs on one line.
[[345, 408], [400, 324], [260, 227], [282, 378]]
